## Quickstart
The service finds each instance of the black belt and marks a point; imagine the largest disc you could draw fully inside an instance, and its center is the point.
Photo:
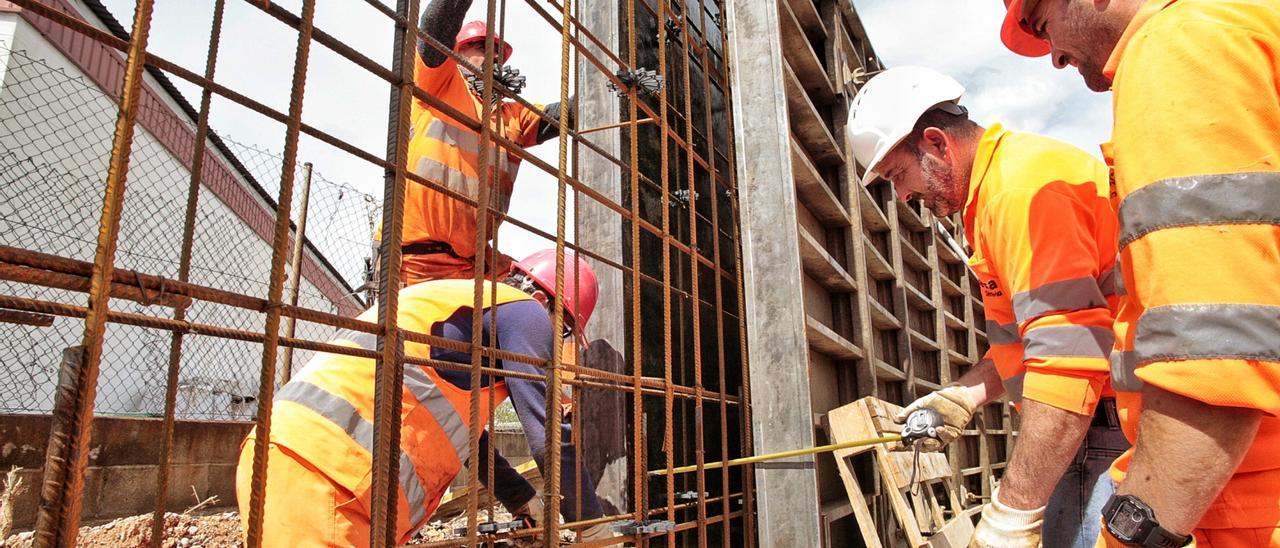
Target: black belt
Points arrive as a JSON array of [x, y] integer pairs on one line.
[[1106, 414], [428, 248]]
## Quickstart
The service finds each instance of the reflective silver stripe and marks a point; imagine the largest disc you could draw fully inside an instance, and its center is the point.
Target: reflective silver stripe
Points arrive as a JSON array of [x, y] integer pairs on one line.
[[427, 394], [1111, 282], [1220, 199], [1209, 331], [466, 139], [1068, 341], [998, 333], [1060, 296], [430, 397], [1013, 386], [455, 180], [343, 415], [1124, 366]]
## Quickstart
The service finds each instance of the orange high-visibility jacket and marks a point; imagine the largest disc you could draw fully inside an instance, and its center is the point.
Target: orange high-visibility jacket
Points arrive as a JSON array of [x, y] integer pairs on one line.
[[1196, 150], [1039, 219], [324, 414], [444, 150]]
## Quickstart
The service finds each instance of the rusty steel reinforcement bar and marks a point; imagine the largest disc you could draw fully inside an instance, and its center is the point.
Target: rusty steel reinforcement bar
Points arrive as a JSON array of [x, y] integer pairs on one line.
[[275, 290], [57, 265], [668, 396], [153, 60], [389, 379], [184, 274], [58, 519]]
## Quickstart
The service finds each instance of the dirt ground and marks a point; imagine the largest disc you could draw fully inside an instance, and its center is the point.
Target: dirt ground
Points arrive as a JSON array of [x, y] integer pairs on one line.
[[198, 530], [212, 529]]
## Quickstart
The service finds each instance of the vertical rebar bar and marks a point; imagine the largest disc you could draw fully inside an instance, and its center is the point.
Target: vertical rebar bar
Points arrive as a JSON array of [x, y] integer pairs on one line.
[[694, 255], [184, 275], [59, 515], [551, 531], [279, 245], [668, 349], [638, 427], [295, 270], [488, 173], [390, 364]]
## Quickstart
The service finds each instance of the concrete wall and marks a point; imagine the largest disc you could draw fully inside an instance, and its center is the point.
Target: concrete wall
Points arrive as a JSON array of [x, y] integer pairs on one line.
[[122, 474]]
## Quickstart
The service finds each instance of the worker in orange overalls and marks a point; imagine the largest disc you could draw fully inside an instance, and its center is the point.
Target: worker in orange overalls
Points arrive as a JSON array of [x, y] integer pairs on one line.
[[439, 238], [1038, 219], [1196, 153], [320, 462]]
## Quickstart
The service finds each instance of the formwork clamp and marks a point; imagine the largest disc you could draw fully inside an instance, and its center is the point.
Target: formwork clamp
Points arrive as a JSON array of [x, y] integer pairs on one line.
[[493, 527], [644, 527], [691, 495]]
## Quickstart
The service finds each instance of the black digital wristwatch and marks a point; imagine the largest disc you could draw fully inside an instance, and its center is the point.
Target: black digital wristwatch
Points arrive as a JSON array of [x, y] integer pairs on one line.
[[1132, 522]]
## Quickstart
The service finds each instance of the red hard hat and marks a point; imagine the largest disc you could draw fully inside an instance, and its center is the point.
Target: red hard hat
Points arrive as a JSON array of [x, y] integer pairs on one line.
[[476, 31], [1017, 37], [541, 266]]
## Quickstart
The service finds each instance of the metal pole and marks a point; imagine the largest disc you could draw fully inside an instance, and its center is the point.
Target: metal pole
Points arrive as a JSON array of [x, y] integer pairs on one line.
[[57, 523], [184, 275], [295, 270]]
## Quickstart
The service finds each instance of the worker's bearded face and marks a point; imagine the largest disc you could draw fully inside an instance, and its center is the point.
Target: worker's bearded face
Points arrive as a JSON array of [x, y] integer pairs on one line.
[[1082, 34], [944, 192]]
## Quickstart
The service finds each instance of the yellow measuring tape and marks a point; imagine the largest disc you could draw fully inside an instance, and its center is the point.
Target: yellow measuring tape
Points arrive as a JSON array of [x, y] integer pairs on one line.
[[780, 455]]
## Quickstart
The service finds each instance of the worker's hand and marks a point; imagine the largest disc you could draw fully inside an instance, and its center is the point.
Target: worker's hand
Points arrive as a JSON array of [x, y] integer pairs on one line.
[[1006, 527], [955, 406]]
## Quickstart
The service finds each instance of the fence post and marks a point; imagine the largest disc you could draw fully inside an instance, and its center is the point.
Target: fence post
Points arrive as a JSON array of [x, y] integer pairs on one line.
[[295, 270]]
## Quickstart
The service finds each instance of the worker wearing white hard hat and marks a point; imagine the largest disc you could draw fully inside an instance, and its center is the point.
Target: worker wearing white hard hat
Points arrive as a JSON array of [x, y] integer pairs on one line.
[[1042, 242]]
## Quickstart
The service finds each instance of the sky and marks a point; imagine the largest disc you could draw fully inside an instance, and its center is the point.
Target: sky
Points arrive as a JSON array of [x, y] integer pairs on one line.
[[959, 37], [962, 38]]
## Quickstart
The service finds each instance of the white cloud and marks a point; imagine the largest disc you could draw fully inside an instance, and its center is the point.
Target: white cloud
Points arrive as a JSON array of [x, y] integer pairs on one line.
[[962, 38]]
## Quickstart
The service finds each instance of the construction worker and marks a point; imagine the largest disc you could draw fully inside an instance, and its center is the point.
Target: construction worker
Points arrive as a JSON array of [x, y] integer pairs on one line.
[[1043, 236], [320, 456], [439, 238], [1196, 153]]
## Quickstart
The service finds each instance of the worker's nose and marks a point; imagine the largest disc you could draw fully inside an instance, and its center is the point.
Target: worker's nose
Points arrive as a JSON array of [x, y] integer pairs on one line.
[[1059, 59]]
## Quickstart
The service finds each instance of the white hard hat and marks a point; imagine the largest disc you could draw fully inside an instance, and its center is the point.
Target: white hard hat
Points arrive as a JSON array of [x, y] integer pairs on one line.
[[888, 106]]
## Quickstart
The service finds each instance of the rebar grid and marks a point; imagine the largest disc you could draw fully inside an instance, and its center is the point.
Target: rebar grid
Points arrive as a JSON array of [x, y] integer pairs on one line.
[[700, 167]]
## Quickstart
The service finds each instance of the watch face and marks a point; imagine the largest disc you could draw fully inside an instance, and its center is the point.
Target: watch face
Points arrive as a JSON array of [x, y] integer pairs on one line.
[[1127, 520]]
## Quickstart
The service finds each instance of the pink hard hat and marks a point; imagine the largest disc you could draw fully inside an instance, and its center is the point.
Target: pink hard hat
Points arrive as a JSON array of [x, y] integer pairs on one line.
[[580, 286], [476, 31]]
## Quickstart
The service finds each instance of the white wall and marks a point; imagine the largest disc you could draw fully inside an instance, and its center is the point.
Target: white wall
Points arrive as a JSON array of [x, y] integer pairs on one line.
[[55, 138]]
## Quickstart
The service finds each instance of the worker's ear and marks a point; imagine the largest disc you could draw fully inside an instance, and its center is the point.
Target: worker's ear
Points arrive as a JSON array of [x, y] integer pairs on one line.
[[541, 296], [937, 143]]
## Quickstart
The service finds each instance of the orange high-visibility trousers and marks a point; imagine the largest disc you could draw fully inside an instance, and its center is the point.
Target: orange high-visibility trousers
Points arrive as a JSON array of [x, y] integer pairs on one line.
[[315, 511]]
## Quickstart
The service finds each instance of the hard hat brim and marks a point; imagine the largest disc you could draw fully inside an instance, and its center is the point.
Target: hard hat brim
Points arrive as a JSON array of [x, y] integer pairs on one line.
[[1017, 39], [506, 48]]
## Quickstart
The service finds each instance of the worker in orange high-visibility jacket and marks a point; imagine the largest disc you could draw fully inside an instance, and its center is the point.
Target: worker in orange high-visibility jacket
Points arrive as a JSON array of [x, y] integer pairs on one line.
[[1196, 152], [1037, 216], [320, 462], [439, 238]]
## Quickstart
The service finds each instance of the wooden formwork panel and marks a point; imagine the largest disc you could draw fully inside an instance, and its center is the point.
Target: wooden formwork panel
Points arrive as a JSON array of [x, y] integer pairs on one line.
[[900, 314]]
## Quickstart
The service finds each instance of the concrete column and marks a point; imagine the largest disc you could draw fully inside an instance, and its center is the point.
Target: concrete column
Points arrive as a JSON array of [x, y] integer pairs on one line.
[[786, 491], [600, 231]]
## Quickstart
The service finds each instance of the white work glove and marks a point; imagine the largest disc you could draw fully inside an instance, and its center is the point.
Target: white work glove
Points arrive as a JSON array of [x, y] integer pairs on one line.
[[599, 531], [1006, 527], [956, 407]]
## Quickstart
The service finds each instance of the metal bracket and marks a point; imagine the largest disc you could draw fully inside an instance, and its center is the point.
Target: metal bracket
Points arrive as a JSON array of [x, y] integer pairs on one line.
[[492, 527], [691, 495], [643, 82], [646, 527]]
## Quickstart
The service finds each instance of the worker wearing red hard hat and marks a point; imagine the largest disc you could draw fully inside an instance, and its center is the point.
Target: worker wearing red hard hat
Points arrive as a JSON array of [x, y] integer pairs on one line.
[[319, 491], [1039, 223], [439, 235], [1195, 148]]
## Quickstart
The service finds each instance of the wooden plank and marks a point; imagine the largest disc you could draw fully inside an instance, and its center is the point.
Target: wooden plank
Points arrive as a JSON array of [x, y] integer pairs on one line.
[[957, 532], [807, 14], [807, 124], [881, 318], [813, 192], [877, 265], [886, 371], [799, 54], [872, 216], [824, 340], [822, 266], [841, 426]]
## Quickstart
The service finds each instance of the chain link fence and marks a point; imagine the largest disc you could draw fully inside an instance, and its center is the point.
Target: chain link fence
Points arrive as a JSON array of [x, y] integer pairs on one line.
[[55, 137]]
